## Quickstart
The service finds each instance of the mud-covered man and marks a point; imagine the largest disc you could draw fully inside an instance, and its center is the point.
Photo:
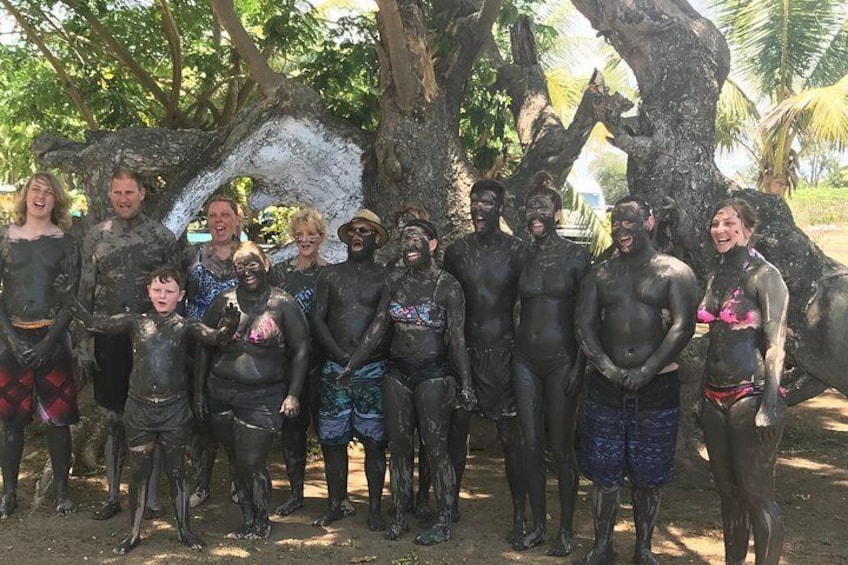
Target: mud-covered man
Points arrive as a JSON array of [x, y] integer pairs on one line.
[[117, 257], [157, 410], [346, 300], [635, 313], [488, 264]]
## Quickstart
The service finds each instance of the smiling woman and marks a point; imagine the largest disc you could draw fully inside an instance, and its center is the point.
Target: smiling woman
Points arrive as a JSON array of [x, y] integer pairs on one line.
[[248, 385], [35, 362]]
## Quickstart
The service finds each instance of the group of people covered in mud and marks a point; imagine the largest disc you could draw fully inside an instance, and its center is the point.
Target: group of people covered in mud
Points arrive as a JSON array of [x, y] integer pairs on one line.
[[511, 330]]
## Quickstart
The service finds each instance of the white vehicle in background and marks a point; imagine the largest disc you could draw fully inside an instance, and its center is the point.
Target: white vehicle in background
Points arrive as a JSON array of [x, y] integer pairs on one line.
[[574, 224]]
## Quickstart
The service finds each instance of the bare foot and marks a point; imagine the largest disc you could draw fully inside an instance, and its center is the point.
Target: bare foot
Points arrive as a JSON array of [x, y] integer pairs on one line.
[[598, 556], [534, 538], [260, 530], [108, 509], [439, 532], [198, 497], [191, 540], [519, 528], [348, 509], [240, 533], [376, 523], [65, 507], [397, 529], [8, 504], [293, 504], [563, 544], [128, 544], [333, 513]]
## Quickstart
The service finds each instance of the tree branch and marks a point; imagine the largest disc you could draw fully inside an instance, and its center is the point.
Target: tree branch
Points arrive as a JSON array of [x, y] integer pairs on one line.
[[471, 34], [67, 83], [403, 77], [269, 81], [172, 34], [548, 144], [120, 52]]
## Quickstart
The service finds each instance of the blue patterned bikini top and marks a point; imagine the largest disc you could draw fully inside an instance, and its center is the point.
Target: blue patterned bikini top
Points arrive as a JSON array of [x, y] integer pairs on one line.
[[427, 314], [204, 286]]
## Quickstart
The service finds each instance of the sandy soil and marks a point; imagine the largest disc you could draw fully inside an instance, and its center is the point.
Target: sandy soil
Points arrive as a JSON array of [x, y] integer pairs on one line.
[[812, 478]]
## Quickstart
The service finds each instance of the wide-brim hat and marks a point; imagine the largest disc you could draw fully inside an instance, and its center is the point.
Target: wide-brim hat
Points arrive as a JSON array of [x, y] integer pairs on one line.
[[370, 218]]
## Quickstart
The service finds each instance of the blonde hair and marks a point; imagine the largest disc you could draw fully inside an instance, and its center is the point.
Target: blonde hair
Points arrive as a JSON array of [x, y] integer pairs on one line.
[[61, 214], [312, 218]]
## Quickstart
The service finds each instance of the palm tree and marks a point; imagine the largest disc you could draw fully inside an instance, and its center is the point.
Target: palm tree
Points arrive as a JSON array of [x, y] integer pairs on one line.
[[794, 56]]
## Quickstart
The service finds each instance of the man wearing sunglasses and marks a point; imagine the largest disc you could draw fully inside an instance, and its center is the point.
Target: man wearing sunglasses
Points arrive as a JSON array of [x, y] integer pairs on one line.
[[347, 296]]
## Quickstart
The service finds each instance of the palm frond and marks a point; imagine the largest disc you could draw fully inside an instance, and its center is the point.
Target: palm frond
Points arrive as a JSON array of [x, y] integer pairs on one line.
[[736, 117], [776, 43], [833, 62], [817, 113], [583, 216]]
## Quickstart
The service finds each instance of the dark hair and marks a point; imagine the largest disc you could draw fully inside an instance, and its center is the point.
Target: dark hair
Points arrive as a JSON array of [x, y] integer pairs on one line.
[[495, 186], [642, 204], [543, 185], [250, 248], [166, 272], [426, 226], [746, 214]]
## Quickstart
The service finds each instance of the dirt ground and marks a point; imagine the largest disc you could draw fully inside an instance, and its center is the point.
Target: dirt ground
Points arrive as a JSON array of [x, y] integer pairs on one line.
[[812, 479]]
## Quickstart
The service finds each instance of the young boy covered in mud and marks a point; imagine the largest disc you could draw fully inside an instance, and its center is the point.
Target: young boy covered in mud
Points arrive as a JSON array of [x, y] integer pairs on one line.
[[158, 408]]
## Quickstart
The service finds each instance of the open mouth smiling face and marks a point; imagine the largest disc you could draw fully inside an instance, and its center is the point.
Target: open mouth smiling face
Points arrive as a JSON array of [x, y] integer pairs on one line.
[[222, 222], [541, 216], [416, 246], [40, 198], [628, 228], [362, 238], [484, 211], [250, 271], [727, 230]]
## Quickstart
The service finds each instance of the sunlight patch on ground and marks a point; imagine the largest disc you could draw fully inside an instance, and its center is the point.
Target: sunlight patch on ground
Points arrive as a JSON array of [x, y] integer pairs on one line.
[[230, 551]]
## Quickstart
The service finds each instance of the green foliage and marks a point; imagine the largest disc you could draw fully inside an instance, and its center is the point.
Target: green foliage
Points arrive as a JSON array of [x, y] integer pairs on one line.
[[610, 170], [344, 69], [822, 205], [486, 125], [275, 223]]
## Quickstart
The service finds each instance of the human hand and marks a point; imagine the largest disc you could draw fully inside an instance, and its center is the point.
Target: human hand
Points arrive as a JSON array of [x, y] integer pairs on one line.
[[64, 286], [635, 379], [768, 420], [698, 409], [290, 407], [20, 350], [199, 407], [40, 353], [614, 374], [231, 319], [344, 377], [574, 379], [467, 398]]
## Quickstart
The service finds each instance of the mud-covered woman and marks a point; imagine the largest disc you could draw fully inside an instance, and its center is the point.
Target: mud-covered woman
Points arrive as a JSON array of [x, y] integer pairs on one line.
[[742, 412], [35, 364], [547, 364], [246, 387], [425, 307]]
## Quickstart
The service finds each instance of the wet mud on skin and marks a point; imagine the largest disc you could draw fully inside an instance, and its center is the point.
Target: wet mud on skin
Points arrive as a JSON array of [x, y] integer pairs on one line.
[[811, 480]]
